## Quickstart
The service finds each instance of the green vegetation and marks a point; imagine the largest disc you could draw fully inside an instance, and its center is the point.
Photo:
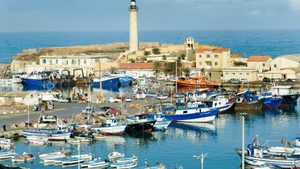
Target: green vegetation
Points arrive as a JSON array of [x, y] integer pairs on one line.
[[146, 53], [164, 57], [132, 60], [157, 67], [156, 51], [186, 72]]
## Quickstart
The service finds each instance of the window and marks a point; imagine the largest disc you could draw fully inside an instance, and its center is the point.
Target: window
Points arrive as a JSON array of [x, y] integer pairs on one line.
[[275, 66], [240, 73], [233, 73], [67, 62], [226, 73], [200, 63], [264, 64], [184, 112], [56, 61], [207, 56], [44, 61], [216, 63], [50, 61], [200, 56], [247, 73], [84, 61], [216, 56], [73, 61], [78, 61]]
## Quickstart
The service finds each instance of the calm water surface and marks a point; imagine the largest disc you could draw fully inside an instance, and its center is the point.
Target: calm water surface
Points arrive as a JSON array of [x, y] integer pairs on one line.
[[177, 145]]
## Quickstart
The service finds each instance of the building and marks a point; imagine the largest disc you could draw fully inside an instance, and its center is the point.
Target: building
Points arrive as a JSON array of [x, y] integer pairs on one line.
[[138, 69], [260, 63], [286, 61], [23, 98], [133, 38], [213, 57], [240, 73], [71, 62]]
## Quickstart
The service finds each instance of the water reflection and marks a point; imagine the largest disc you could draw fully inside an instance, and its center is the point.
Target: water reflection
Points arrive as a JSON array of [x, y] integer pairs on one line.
[[194, 131]]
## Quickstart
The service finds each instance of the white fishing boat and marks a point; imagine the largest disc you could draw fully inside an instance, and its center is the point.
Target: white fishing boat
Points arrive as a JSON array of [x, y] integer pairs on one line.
[[58, 154], [162, 123], [95, 164], [124, 165], [99, 136], [6, 143], [112, 126], [129, 159], [7, 155], [113, 156], [26, 157], [69, 160], [37, 140]]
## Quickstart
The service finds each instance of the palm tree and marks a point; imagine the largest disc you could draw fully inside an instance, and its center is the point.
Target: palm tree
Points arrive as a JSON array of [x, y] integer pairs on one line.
[[157, 67], [186, 72]]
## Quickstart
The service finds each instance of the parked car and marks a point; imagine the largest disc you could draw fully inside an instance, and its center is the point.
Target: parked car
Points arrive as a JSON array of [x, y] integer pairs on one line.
[[113, 100], [243, 80], [233, 80]]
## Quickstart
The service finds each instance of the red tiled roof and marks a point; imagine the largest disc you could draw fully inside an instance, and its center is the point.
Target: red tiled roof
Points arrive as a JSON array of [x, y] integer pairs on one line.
[[214, 49], [258, 58], [136, 66]]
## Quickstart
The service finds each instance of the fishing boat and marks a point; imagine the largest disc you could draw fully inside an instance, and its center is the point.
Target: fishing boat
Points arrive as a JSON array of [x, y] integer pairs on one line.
[[270, 101], [95, 164], [193, 113], [124, 165], [129, 159], [75, 159], [248, 101], [198, 82], [220, 102], [289, 98], [61, 133], [161, 123], [12, 80], [99, 136], [26, 157], [113, 156], [160, 166], [125, 80], [112, 126], [6, 143], [255, 156], [37, 140], [106, 81], [140, 123], [7, 155], [58, 154], [37, 79]]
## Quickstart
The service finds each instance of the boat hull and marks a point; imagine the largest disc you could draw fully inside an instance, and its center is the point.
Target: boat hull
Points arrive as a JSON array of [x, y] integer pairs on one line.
[[114, 81], [289, 100], [203, 117], [126, 81], [249, 106], [272, 103], [112, 130], [143, 127]]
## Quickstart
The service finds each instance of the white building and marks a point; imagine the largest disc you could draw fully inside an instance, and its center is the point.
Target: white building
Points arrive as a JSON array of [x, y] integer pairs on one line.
[[71, 62], [286, 61], [240, 73]]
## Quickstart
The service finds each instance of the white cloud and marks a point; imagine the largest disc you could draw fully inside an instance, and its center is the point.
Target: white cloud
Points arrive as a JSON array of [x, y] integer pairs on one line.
[[295, 5]]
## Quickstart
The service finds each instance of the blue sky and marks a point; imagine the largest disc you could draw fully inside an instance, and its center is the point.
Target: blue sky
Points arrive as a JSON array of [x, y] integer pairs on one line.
[[111, 15]]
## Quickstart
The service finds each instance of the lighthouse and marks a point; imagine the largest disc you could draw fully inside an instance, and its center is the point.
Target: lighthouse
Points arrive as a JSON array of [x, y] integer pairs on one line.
[[133, 39]]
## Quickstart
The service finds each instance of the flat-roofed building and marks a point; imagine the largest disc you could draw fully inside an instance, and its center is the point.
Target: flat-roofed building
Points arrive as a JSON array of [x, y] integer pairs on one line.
[[240, 73]]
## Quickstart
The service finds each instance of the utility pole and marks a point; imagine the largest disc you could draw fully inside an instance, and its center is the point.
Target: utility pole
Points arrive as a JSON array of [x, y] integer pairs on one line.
[[243, 139], [176, 76], [201, 158]]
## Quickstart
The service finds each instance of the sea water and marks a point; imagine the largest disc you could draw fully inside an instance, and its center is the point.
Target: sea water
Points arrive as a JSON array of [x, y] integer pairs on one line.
[[246, 42]]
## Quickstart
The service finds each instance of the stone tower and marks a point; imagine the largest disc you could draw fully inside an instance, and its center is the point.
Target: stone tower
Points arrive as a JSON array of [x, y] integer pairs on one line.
[[133, 39]]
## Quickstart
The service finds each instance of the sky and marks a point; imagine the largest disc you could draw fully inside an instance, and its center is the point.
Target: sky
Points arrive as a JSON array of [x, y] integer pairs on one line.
[[154, 15]]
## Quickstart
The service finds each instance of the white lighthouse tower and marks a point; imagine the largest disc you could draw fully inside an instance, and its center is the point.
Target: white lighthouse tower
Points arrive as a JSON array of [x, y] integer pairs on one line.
[[133, 39]]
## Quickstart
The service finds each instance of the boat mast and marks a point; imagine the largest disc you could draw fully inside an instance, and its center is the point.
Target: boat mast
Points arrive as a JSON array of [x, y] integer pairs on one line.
[[100, 72], [79, 154]]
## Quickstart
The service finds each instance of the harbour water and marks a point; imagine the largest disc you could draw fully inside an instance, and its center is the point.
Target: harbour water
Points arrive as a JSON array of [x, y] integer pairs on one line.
[[178, 145], [248, 42]]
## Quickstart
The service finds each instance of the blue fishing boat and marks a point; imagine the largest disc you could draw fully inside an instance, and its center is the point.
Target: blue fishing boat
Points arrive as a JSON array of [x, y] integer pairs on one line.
[[162, 122], [289, 98], [54, 134], [125, 80], [37, 79], [270, 101], [106, 81], [248, 101], [194, 115]]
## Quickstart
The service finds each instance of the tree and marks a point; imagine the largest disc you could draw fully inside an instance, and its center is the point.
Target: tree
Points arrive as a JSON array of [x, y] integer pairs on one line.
[[186, 72], [164, 57], [182, 56], [146, 53], [132, 60], [156, 51], [157, 67]]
